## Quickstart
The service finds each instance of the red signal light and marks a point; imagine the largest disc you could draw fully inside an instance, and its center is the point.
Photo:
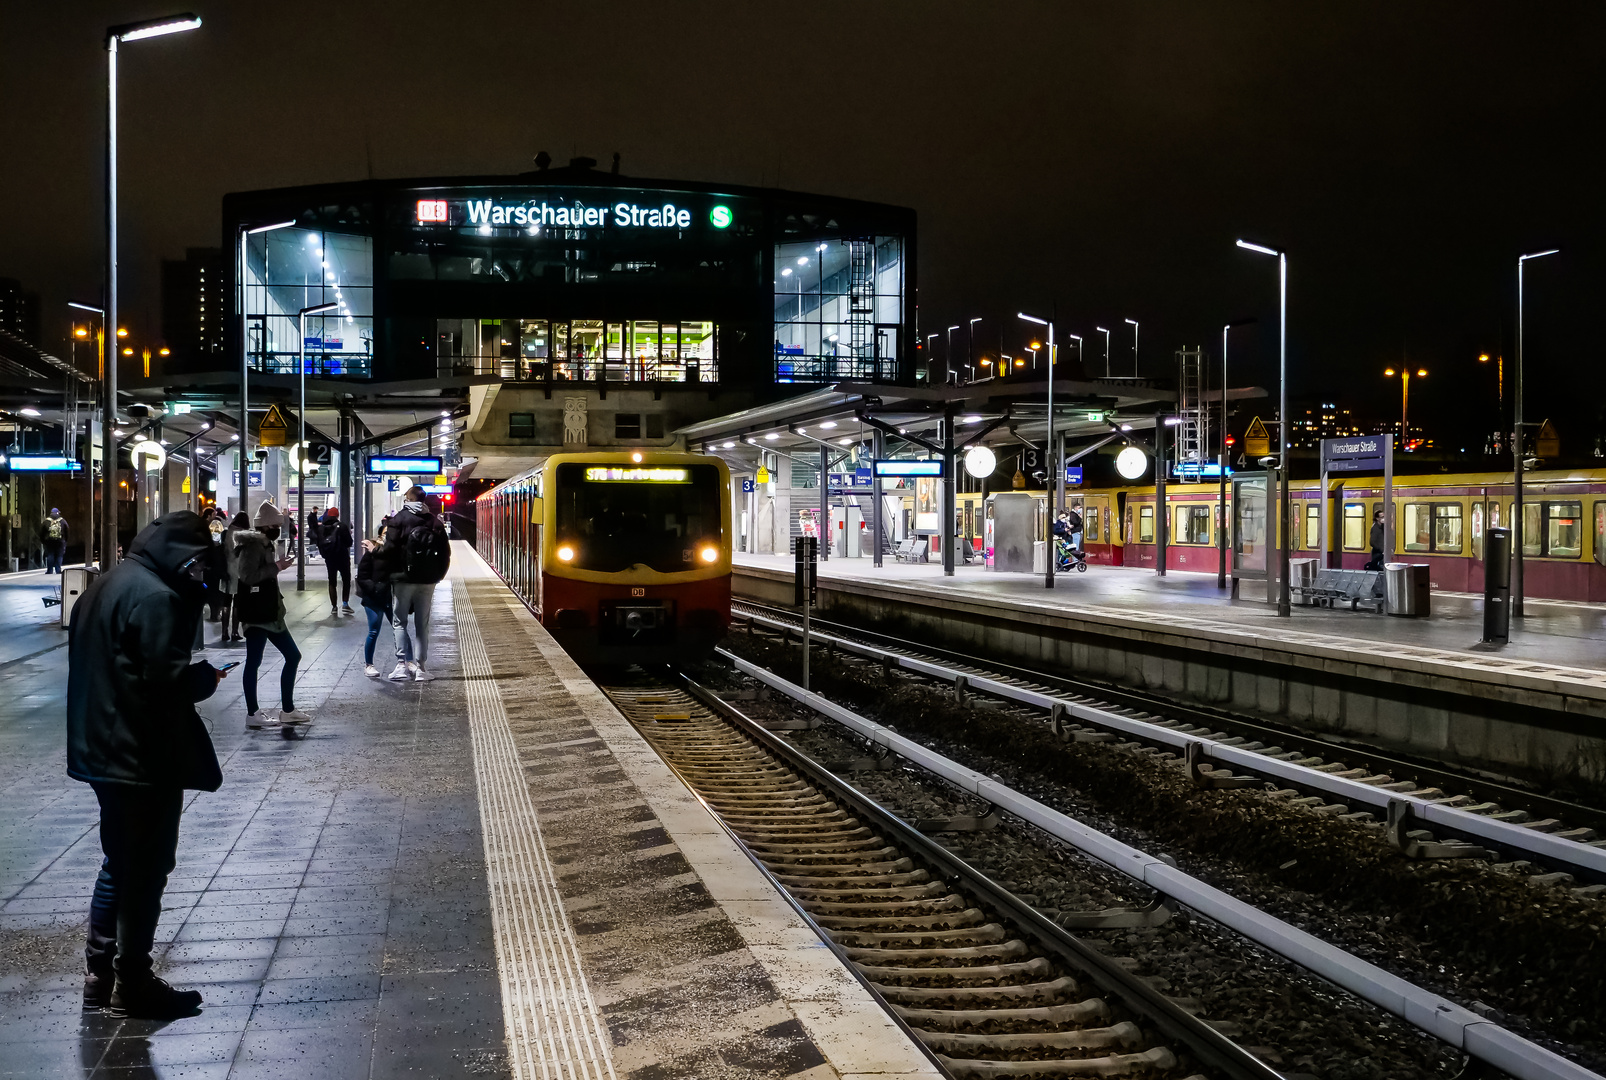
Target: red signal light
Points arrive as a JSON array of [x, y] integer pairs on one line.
[[1232, 440]]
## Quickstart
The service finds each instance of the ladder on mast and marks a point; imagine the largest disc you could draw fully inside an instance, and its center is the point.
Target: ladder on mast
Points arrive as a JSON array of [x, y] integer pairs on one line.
[[1193, 416]]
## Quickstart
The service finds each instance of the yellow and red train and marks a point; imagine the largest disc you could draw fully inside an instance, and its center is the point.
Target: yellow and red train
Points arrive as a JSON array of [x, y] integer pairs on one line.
[[624, 556], [1439, 519]]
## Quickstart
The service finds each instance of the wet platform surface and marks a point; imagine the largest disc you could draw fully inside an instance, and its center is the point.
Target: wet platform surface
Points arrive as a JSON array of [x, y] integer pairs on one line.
[[488, 874]]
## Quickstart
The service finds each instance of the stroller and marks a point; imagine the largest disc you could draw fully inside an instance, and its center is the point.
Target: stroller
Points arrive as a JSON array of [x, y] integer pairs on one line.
[[1068, 558]]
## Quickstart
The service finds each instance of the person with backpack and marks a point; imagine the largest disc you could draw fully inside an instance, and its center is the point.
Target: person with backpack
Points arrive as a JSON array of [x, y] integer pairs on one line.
[[374, 589], [333, 539], [53, 535], [414, 559], [261, 610]]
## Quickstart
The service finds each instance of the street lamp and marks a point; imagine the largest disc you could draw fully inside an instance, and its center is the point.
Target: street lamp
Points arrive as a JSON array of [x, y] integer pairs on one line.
[[970, 346], [1405, 400], [1078, 339], [301, 469], [1106, 334], [948, 357], [1058, 465], [1134, 323], [929, 339], [115, 35], [1517, 450], [1284, 606], [90, 532]]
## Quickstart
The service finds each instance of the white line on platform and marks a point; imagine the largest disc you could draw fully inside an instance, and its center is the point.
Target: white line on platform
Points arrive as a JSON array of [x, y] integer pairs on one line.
[[553, 1029]]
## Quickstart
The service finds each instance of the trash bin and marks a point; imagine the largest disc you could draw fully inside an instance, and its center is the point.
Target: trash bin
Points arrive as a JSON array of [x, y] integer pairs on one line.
[[1407, 589], [1301, 578], [74, 580]]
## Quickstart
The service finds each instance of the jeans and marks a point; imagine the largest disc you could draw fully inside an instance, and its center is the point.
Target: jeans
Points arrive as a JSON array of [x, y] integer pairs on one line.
[[256, 640], [139, 835], [340, 565], [54, 550], [376, 619], [414, 599]]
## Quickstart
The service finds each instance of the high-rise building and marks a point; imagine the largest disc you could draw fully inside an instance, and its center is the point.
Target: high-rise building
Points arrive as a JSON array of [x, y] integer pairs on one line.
[[194, 307], [1323, 420], [19, 311]]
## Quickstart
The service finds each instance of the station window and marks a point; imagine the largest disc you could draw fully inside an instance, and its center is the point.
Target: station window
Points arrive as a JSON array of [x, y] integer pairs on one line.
[[1355, 529], [838, 309], [521, 425], [1146, 524], [1193, 523], [627, 425]]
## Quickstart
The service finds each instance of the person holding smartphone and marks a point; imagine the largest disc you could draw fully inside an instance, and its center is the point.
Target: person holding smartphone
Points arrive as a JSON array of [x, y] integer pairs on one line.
[[261, 610]]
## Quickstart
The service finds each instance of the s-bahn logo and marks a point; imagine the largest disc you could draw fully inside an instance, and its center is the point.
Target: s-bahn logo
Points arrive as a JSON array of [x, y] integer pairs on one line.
[[534, 214]]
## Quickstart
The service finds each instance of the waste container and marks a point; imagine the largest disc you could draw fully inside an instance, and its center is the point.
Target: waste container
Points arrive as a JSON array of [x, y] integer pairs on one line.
[[1406, 589], [1301, 577], [74, 580]]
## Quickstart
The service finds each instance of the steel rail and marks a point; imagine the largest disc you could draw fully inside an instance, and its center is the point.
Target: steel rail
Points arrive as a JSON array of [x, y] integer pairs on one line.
[[1577, 858], [1440, 1017]]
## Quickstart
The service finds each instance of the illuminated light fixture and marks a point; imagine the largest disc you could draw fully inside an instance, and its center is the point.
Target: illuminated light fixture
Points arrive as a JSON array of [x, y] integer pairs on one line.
[[727, 446], [980, 462], [1020, 363], [720, 217], [29, 410], [985, 362], [82, 332], [636, 457], [1035, 345], [164, 351], [139, 438], [1483, 359], [832, 339], [787, 272], [128, 351], [844, 442], [485, 230], [820, 248], [972, 419], [566, 553], [1131, 463], [1262, 248], [1126, 427], [804, 261], [122, 331], [234, 437], [173, 24], [1388, 371], [446, 412], [710, 554], [828, 424], [771, 437]]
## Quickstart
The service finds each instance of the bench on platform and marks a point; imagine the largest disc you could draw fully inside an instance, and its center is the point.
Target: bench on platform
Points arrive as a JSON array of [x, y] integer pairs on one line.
[[1353, 587], [911, 550]]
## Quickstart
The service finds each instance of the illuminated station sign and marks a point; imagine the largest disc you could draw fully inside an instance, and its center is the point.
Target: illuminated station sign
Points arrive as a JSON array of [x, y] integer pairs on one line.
[[534, 214], [406, 466]]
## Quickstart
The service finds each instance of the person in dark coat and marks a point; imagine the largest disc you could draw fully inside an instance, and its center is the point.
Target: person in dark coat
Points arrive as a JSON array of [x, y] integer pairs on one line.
[[1376, 538], [414, 558], [134, 736], [374, 588], [333, 538]]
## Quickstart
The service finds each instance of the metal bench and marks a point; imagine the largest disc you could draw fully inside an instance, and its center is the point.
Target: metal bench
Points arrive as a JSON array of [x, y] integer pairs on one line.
[[911, 550], [1353, 587]]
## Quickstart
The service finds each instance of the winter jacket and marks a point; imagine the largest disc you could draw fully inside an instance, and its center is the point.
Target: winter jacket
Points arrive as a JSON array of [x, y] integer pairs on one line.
[[371, 586], [231, 560], [392, 557], [333, 538], [1377, 536], [256, 562], [131, 689]]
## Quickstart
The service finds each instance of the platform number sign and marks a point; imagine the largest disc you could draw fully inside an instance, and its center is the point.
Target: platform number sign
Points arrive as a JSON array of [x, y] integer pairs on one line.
[[805, 577], [748, 487]]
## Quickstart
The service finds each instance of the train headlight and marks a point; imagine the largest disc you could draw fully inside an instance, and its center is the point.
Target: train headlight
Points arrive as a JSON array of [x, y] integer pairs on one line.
[[566, 553], [710, 554], [636, 457]]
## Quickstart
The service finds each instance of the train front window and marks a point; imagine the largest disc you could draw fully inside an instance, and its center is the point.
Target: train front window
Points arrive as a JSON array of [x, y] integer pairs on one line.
[[611, 517]]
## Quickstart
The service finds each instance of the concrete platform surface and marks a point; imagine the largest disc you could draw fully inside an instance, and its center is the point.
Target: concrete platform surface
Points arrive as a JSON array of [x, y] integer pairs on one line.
[[488, 874]]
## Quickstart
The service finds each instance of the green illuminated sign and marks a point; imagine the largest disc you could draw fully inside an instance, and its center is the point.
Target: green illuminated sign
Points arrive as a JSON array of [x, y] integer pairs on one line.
[[720, 217]]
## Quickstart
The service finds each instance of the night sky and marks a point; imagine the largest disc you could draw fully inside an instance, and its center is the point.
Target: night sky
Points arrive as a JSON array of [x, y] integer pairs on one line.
[[1097, 159]]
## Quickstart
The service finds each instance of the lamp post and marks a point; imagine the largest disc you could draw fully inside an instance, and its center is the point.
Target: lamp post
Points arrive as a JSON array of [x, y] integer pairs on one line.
[[1048, 449], [1284, 606], [106, 493], [1106, 334], [245, 361], [929, 339], [948, 357], [1225, 525], [1134, 323], [1405, 400], [970, 347], [1518, 465], [301, 443], [116, 35], [1078, 339]]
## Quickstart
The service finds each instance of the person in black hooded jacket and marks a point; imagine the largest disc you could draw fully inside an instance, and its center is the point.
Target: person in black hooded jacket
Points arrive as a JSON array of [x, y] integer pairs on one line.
[[134, 736]]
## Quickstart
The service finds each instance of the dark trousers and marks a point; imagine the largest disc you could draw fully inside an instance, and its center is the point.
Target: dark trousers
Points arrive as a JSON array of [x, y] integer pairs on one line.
[[340, 565], [1376, 562], [139, 835], [54, 550], [256, 640], [376, 619]]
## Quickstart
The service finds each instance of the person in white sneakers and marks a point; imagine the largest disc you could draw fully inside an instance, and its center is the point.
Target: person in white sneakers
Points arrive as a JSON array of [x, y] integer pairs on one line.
[[261, 609], [375, 593], [414, 558]]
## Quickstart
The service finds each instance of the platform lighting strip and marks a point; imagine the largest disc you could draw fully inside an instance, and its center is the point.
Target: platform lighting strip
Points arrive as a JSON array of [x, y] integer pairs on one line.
[[552, 1023], [1461, 1028]]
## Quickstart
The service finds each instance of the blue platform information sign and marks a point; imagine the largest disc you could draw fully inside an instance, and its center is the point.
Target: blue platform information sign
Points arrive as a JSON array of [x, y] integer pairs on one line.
[[411, 466], [1073, 474], [928, 467]]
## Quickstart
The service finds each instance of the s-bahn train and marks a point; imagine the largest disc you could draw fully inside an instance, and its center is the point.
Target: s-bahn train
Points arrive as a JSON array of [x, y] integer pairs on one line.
[[625, 557], [1439, 519]]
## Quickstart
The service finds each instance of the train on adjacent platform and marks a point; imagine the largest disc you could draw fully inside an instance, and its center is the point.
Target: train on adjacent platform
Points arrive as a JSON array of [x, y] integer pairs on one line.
[[624, 556], [1439, 519]]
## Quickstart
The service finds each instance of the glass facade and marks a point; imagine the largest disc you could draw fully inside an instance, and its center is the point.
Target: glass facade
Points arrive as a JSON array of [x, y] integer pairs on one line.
[[290, 269], [838, 309], [580, 350]]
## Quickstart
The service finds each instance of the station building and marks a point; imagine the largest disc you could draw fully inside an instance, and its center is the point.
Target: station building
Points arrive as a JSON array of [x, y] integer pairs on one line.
[[571, 306]]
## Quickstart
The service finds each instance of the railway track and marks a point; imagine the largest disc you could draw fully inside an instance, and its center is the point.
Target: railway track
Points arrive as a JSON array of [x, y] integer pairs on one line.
[[1429, 811], [989, 985]]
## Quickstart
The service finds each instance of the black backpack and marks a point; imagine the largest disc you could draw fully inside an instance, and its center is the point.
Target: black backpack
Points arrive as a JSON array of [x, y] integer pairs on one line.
[[429, 552], [258, 603], [1075, 521]]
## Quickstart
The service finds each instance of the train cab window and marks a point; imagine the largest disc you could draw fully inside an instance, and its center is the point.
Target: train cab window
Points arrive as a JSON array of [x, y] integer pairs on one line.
[[1564, 530], [1145, 524], [1355, 526], [1447, 528], [521, 425], [1417, 526], [1193, 523], [663, 517]]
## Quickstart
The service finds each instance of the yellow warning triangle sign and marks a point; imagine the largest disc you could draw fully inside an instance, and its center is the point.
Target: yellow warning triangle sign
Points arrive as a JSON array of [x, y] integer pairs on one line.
[[1257, 441], [274, 429]]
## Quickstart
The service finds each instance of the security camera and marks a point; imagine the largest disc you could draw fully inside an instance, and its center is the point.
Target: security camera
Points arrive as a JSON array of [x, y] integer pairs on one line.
[[260, 455], [1267, 462]]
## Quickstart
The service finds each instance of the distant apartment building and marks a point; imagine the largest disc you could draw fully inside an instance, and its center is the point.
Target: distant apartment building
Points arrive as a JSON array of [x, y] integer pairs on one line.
[[19, 311], [194, 309]]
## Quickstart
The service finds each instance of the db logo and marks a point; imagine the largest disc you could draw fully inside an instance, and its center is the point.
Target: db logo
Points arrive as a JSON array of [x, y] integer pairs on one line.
[[635, 591], [431, 210]]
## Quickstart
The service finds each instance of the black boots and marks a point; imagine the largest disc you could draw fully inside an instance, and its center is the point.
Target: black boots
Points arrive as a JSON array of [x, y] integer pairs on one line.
[[98, 989], [150, 998]]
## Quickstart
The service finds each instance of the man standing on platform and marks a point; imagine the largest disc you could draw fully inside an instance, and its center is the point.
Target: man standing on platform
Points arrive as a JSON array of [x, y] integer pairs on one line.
[[134, 736], [53, 535], [415, 557], [334, 544]]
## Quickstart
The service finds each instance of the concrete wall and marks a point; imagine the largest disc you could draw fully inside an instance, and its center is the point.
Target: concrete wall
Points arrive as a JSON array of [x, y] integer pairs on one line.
[[1512, 725]]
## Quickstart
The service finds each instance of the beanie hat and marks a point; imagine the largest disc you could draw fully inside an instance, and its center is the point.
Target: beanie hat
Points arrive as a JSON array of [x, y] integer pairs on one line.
[[268, 517]]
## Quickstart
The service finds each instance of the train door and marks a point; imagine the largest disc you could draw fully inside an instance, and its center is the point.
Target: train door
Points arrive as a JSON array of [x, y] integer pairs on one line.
[[1115, 529]]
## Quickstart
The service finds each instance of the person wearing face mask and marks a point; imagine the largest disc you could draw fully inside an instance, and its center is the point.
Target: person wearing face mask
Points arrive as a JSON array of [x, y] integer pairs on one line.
[[134, 736], [261, 610]]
